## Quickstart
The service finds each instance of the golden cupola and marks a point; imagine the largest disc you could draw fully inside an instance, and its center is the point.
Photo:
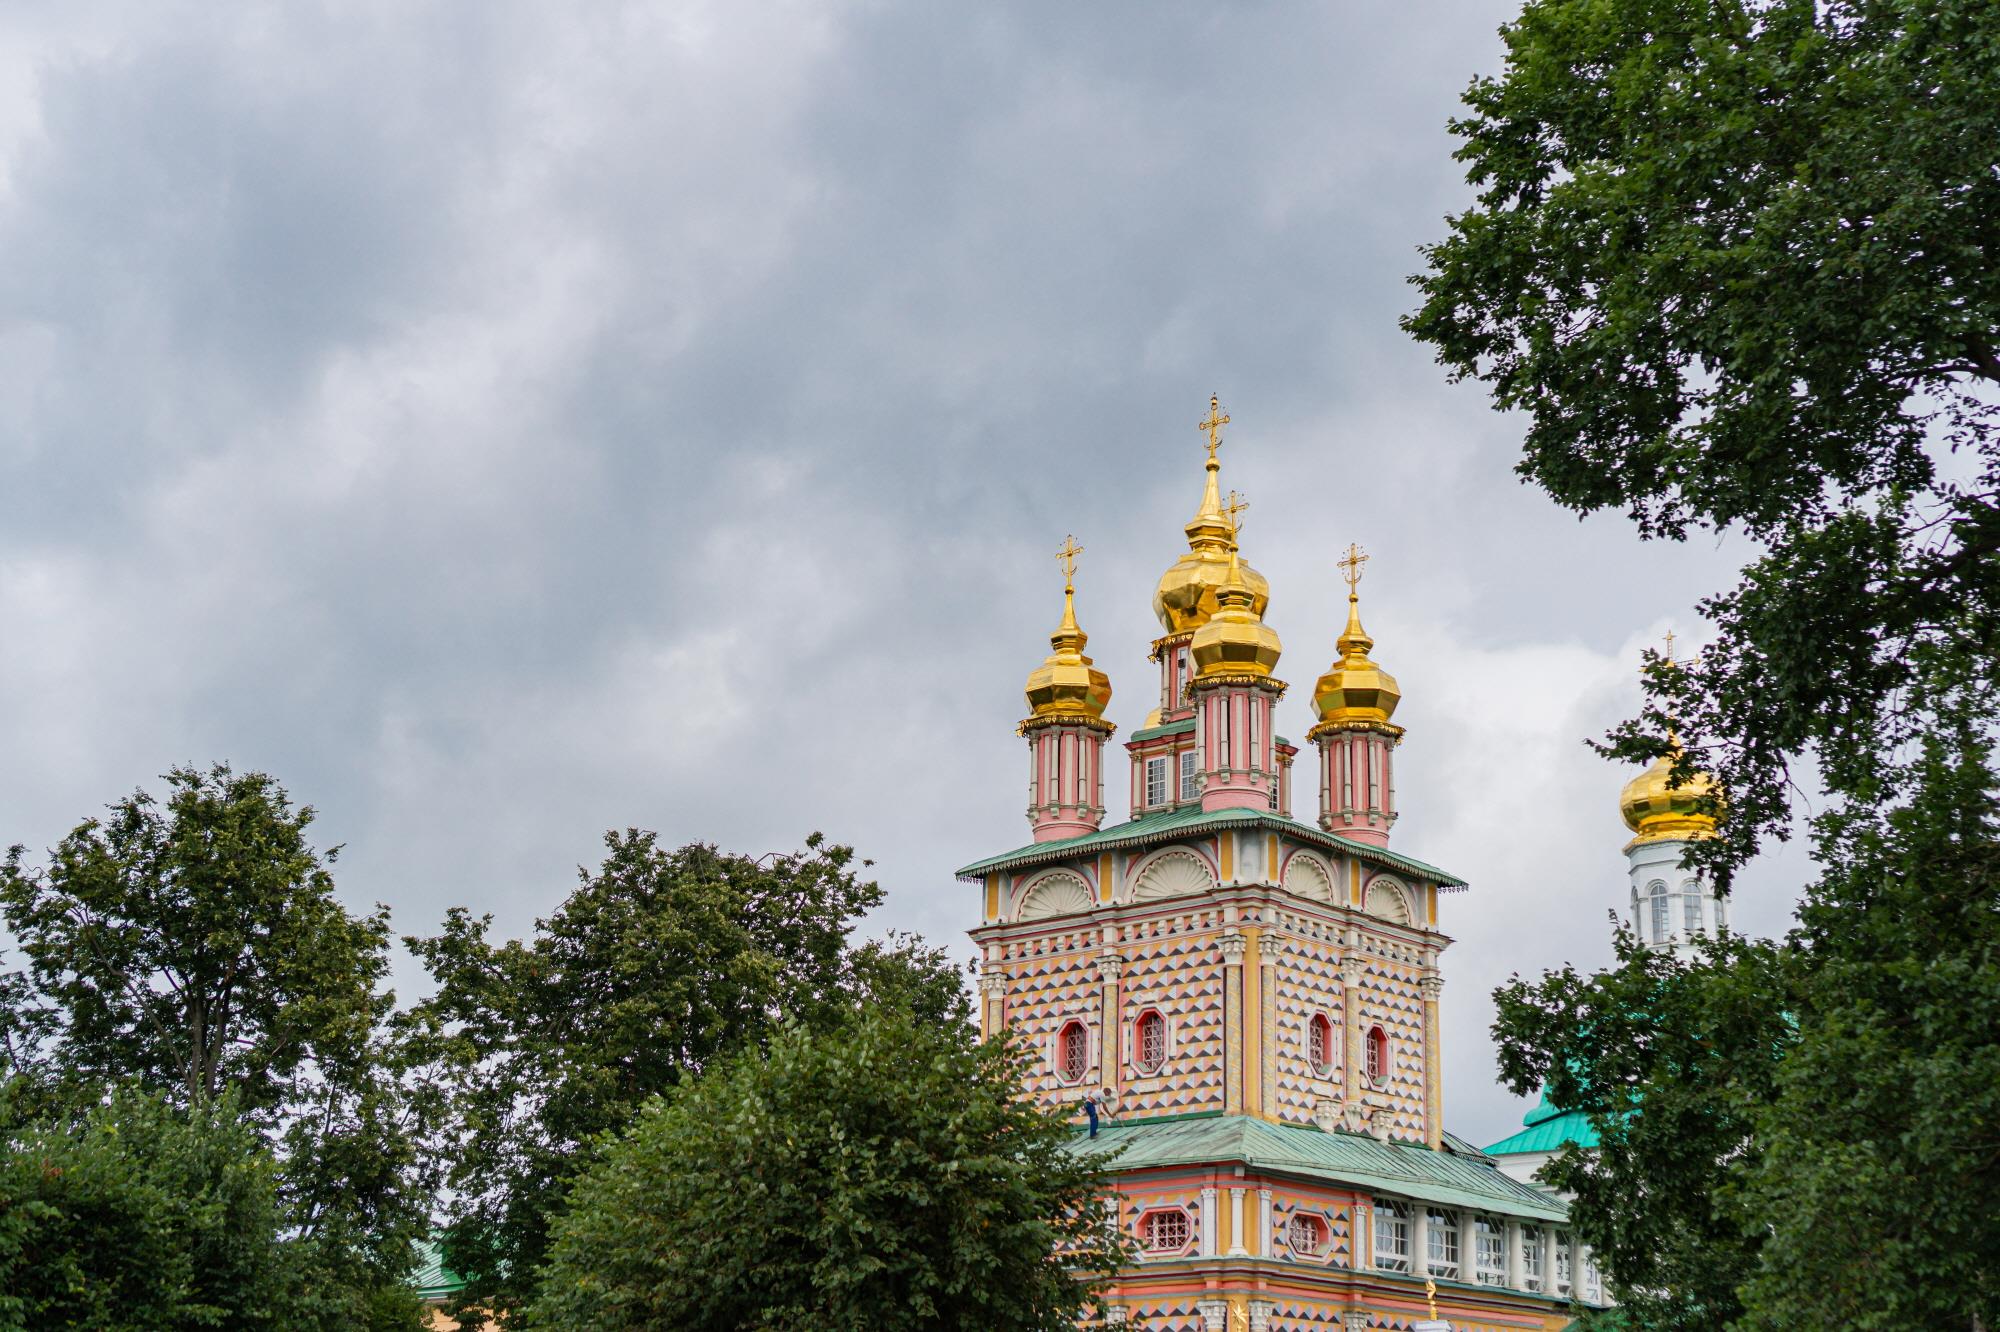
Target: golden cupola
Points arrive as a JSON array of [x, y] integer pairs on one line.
[[1066, 687], [1235, 641], [1658, 812], [1355, 692], [1189, 593]]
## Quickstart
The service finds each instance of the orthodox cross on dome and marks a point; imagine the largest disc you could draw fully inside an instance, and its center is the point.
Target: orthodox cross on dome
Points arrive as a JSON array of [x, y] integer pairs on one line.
[[1350, 567], [1670, 647], [1217, 418], [1066, 556], [1236, 505]]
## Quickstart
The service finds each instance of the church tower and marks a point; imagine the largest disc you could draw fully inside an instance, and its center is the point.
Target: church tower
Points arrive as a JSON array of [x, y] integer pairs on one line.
[[1250, 1001], [1672, 907]]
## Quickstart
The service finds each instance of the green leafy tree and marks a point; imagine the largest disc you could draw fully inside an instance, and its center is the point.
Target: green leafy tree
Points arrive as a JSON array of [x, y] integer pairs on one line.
[[195, 948], [1734, 262], [658, 964], [139, 1217], [883, 1176]]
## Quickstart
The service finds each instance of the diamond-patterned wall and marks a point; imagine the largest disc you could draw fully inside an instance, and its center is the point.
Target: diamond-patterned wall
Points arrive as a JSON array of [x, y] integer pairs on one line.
[[1179, 972]]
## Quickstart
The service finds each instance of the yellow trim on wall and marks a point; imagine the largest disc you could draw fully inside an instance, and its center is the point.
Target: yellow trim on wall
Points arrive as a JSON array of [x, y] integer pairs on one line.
[[1104, 877], [1253, 1021], [993, 895], [1354, 882], [1271, 861], [1225, 854]]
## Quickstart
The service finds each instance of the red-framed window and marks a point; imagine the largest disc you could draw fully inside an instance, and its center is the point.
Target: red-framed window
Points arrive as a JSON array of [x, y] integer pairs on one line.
[[1378, 1055], [1072, 1052], [1165, 1230], [1150, 1041], [1319, 1043], [1305, 1235]]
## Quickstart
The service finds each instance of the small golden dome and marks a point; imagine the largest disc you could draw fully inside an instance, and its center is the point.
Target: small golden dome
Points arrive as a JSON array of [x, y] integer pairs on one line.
[[1659, 813], [1188, 593], [1066, 687], [1235, 640], [1355, 692]]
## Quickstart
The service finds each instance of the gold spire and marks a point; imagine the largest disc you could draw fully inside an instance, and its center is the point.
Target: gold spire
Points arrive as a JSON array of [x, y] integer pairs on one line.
[[1235, 640], [1066, 687], [1186, 596], [1658, 812], [1355, 693]]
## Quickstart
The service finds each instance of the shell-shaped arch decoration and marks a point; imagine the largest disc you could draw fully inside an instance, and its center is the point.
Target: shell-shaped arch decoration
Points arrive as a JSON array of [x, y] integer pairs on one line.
[[1306, 877], [1389, 900], [1175, 874], [1055, 894]]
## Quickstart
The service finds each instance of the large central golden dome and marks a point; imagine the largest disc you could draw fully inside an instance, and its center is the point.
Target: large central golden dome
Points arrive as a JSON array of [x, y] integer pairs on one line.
[[1188, 592]]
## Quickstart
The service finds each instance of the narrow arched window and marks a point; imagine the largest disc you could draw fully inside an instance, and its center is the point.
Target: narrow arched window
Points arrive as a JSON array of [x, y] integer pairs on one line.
[[1660, 918], [1691, 910], [1072, 1052], [1378, 1055], [1152, 1041], [1319, 1044]]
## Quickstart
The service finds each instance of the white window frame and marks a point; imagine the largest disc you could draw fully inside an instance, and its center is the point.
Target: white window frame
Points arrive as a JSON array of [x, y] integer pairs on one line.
[[1490, 1239], [1441, 1242], [1531, 1257], [1061, 1073], [1156, 781], [1188, 771], [1563, 1263], [1691, 912], [1657, 914], [1139, 1060], [1392, 1236], [1321, 1067]]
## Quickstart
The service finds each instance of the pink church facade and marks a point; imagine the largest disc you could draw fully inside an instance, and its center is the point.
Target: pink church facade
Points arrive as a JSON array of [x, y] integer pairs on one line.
[[1251, 1000]]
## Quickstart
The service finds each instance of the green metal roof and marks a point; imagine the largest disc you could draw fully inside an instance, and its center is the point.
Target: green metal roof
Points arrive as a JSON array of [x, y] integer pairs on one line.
[[1191, 819], [434, 1281], [1165, 728], [1350, 1159], [1546, 1130]]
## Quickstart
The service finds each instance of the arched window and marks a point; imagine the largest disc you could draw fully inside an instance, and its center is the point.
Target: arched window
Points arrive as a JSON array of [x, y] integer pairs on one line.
[[1151, 1033], [1691, 909], [1378, 1055], [1072, 1052], [1306, 1235], [1319, 1044], [1658, 892], [1165, 1230]]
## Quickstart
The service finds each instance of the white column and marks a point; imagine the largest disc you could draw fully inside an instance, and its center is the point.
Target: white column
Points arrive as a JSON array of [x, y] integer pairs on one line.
[[1236, 1249], [1364, 1237], [1263, 1223], [1208, 1222], [1516, 1277], [1420, 1240], [1214, 1314], [1468, 1245], [1549, 1260], [1260, 1315]]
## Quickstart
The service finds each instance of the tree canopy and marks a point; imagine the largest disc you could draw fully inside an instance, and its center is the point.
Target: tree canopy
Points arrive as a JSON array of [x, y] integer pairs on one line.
[[660, 963], [194, 948], [1735, 263], [881, 1176]]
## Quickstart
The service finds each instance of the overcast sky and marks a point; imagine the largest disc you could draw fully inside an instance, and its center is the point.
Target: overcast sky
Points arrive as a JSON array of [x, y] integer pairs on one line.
[[505, 422]]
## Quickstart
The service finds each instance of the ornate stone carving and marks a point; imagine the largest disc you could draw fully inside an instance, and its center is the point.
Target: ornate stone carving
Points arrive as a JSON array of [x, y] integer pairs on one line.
[[1308, 878], [1055, 894], [1233, 948], [1175, 874]]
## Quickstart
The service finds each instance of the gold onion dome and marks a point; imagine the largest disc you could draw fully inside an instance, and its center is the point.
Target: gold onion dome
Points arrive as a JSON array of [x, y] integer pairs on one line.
[[1355, 692], [1066, 687], [1657, 812], [1190, 592], [1235, 640]]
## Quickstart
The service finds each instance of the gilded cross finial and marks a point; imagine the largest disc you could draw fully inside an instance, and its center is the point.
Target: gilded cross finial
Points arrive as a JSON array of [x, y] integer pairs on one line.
[[1350, 567], [1217, 418], [1431, 1294], [1066, 556], [1236, 505], [1670, 647]]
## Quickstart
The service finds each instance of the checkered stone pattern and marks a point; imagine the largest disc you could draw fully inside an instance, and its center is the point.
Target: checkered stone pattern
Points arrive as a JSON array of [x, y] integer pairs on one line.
[[1135, 1203], [1179, 973], [1339, 1220], [1308, 978], [1173, 1315], [1301, 1315], [1390, 995], [1049, 984]]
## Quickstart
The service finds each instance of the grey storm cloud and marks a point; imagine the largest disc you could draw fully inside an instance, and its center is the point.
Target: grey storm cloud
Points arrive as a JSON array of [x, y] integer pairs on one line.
[[508, 422]]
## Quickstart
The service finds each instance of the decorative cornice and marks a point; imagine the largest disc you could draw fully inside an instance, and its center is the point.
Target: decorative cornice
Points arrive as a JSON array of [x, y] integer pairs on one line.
[[1222, 679], [1390, 729], [1088, 723]]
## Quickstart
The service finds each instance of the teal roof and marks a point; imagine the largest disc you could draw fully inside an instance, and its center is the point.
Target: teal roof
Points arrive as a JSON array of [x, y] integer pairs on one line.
[[434, 1281], [1189, 820], [1165, 728], [1546, 1129], [1364, 1163]]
